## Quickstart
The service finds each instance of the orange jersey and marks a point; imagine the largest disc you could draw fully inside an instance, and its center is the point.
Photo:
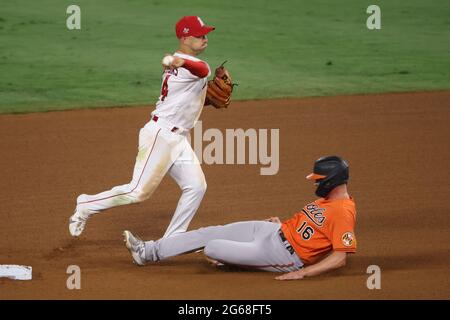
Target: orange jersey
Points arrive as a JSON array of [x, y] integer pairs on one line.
[[320, 227]]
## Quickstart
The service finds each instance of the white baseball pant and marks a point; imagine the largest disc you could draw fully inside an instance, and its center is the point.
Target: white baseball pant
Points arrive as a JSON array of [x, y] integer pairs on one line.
[[161, 150]]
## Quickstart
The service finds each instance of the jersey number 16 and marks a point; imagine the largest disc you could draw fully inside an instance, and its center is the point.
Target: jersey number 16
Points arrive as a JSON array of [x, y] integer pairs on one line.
[[306, 231]]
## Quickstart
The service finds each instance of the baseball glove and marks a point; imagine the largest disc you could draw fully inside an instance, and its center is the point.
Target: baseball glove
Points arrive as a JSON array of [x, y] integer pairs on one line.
[[220, 88]]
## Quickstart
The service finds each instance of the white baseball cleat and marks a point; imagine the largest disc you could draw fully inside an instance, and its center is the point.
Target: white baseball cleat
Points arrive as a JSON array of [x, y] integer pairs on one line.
[[136, 247], [77, 222]]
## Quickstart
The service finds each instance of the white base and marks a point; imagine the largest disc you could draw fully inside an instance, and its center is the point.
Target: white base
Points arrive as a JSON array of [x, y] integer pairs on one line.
[[15, 272]]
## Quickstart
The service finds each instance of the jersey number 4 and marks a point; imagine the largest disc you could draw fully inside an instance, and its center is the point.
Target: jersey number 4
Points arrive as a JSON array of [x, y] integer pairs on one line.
[[165, 88], [306, 231]]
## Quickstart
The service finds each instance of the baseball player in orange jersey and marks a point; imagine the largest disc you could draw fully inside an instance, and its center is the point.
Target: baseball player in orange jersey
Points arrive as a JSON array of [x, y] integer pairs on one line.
[[164, 140], [315, 240]]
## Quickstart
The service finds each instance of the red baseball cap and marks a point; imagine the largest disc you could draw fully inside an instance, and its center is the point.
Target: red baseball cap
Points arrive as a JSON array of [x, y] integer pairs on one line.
[[192, 26]]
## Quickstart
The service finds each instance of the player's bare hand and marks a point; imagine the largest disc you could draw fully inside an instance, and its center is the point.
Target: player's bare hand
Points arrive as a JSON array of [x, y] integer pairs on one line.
[[172, 62], [295, 275], [177, 62], [274, 220]]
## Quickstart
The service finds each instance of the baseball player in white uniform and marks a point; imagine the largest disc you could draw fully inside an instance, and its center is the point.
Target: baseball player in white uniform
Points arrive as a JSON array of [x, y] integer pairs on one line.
[[164, 141]]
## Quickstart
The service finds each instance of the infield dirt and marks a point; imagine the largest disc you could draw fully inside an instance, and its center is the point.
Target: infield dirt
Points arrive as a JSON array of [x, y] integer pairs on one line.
[[396, 144]]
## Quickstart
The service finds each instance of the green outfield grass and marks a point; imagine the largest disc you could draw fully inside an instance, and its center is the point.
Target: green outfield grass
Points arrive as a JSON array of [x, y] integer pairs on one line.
[[274, 49]]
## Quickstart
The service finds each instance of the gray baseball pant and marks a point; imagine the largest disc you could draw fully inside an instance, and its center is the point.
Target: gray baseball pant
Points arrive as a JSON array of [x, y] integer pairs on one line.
[[253, 244]]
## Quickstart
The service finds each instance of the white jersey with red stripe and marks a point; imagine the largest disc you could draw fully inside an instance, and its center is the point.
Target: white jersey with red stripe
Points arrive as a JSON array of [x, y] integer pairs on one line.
[[182, 95]]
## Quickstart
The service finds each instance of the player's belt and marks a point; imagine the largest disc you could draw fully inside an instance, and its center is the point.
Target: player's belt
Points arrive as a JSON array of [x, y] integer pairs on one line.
[[285, 242], [173, 129]]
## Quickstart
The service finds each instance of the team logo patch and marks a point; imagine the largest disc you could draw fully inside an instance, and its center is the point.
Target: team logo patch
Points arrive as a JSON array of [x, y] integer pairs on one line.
[[185, 30], [348, 239], [315, 214]]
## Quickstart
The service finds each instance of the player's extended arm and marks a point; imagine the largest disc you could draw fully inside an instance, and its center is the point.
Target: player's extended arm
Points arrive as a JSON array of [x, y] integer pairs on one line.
[[197, 68], [335, 260]]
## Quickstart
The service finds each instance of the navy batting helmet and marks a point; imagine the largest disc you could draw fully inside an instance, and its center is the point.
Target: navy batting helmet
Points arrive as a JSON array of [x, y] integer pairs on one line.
[[329, 172]]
